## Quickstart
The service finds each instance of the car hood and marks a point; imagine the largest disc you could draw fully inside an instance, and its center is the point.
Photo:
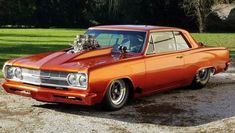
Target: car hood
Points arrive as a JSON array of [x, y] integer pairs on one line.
[[71, 62]]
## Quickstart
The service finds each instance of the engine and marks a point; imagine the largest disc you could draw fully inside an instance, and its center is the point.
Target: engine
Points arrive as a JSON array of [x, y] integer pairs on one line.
[[84, 43]]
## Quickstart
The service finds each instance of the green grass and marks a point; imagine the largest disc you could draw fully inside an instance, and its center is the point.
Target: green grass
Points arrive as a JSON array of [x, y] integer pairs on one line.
[[21, 42], [217, 39]]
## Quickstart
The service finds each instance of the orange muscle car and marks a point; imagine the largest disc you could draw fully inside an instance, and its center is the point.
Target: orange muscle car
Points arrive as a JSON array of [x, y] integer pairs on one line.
[[128, 61]]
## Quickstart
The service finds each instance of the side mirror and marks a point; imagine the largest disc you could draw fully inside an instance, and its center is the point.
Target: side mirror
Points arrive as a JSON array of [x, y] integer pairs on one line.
[[201, 44], [122, 49]]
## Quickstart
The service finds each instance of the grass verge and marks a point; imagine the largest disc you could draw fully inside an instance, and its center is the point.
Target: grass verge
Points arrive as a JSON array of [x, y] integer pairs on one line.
[[22, 42]]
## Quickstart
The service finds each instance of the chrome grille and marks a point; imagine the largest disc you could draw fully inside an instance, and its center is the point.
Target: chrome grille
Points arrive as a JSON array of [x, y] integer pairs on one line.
[[45, 78]]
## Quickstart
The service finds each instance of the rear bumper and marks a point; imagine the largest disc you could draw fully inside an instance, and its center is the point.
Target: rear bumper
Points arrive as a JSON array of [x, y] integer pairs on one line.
[[51, 95]]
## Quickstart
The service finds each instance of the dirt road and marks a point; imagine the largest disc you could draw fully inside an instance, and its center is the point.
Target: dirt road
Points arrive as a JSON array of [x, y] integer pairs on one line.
[[211, 109]]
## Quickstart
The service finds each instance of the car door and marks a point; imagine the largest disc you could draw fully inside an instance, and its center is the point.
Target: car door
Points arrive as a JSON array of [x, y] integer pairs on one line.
[[164, 65], [183, 46]]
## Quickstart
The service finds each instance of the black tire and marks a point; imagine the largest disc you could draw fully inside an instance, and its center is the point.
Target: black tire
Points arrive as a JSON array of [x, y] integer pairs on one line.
[[201, 79], [112, 100]]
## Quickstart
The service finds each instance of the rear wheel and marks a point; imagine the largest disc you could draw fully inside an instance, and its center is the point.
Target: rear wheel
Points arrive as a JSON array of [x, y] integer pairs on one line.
[[201, 79], [116, 95]]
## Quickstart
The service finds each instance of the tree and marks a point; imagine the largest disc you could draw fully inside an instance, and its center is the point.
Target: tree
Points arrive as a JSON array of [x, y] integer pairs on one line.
[[198, 9]]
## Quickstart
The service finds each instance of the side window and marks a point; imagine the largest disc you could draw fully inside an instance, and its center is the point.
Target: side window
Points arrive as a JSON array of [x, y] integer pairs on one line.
[[162, 42], [181, 44], [150, 49]]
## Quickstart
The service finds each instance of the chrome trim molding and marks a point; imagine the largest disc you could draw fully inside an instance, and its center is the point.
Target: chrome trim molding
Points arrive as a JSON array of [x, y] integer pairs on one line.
[[46, 78]]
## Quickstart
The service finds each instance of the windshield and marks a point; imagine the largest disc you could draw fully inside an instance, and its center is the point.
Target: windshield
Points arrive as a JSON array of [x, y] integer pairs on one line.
[[133, 40]]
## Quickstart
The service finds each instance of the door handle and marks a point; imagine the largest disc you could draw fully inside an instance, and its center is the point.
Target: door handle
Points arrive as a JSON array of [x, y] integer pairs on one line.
[[179, 57]]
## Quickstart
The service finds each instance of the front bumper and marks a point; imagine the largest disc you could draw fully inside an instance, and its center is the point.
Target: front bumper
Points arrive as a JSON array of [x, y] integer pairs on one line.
[[50, 94]]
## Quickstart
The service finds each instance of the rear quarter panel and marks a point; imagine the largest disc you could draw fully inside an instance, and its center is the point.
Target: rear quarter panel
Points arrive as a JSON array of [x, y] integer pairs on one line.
[[204, 57]]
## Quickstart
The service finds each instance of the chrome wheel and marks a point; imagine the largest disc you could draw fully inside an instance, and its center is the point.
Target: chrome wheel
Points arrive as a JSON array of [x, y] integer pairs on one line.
[[202, 78], [117, 94], [117, 91], [203, 74]]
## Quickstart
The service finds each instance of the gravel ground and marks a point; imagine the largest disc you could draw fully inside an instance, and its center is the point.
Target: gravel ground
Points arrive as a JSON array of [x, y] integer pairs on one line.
[[211, 109]]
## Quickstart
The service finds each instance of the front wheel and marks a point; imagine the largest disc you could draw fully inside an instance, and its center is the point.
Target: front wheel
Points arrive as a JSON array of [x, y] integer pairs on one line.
[[116, 95], [201, 79]]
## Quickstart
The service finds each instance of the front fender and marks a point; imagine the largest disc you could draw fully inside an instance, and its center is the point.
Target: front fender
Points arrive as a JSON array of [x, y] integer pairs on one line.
[[100, 78]]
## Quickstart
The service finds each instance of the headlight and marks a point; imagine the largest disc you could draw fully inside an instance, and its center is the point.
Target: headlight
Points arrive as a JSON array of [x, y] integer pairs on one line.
[[77, 80], [73, 79], [8, 72], [18, 73], [83, 80], [12, 72]]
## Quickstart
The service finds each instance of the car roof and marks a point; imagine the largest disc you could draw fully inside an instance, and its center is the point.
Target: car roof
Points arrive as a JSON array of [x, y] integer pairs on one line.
[[131, 27]]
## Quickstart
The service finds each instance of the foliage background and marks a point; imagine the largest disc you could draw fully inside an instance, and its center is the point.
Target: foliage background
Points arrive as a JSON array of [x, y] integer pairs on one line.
[[85, 13]]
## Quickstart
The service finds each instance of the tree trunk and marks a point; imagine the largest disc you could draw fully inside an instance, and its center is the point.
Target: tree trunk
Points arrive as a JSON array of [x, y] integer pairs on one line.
[[200, 20], [226, 1], [200, 27]]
